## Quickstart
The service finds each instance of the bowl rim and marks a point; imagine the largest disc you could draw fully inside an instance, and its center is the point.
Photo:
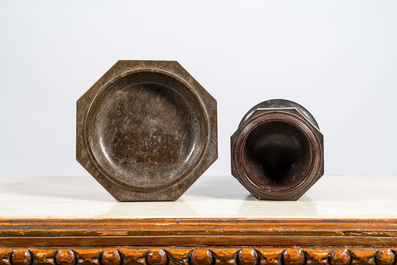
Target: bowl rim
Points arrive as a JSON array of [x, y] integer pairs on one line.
[[293, 117], [185, 172]]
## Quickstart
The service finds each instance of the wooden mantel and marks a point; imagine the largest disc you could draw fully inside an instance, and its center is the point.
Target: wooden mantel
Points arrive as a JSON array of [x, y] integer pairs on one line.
[[122, 233]]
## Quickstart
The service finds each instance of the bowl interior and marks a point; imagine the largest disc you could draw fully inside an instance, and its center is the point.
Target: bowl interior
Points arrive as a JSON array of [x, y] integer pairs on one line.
[[277, 155], [146, 130]]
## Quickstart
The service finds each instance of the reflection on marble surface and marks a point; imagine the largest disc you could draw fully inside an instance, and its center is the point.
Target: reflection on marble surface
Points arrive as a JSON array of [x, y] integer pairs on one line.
[[209, 197]]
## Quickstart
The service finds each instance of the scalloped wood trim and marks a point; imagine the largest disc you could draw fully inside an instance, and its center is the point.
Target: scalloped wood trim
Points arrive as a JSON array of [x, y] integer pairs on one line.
[[197, 256]]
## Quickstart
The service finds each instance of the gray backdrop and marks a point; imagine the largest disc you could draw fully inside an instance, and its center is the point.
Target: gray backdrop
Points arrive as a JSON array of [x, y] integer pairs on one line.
[[336, 58]]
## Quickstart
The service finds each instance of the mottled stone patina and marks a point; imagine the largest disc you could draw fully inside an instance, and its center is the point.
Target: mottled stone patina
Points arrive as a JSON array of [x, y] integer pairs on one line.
[[146, 130], [277, 152]]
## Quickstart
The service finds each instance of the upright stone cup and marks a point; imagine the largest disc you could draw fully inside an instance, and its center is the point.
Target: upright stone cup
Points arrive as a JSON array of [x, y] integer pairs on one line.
[[277, 151]]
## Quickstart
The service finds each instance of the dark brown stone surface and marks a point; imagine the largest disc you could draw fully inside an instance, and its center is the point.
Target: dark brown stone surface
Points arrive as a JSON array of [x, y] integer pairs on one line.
[[277, 152], [146, 130]]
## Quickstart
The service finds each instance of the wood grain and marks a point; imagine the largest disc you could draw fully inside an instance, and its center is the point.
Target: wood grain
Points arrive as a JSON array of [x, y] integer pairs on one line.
[[198, 241], [197, 256]]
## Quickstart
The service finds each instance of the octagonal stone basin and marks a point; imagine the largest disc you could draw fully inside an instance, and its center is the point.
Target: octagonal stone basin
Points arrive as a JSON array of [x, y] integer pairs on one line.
[[146, 130]]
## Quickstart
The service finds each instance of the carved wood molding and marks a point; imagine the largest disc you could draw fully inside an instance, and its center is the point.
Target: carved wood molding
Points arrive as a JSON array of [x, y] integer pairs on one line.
[[91, 233], [197, 256]]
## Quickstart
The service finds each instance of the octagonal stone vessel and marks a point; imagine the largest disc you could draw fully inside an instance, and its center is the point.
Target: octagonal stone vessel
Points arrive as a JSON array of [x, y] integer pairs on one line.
[[277, 151], [146, 130]]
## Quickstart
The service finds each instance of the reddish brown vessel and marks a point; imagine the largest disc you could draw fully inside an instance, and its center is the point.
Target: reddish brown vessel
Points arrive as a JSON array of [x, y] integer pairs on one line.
[[277, 151]]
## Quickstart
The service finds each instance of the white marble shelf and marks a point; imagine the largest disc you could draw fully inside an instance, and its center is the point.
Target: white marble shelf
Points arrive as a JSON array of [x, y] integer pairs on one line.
[[210, 197]]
